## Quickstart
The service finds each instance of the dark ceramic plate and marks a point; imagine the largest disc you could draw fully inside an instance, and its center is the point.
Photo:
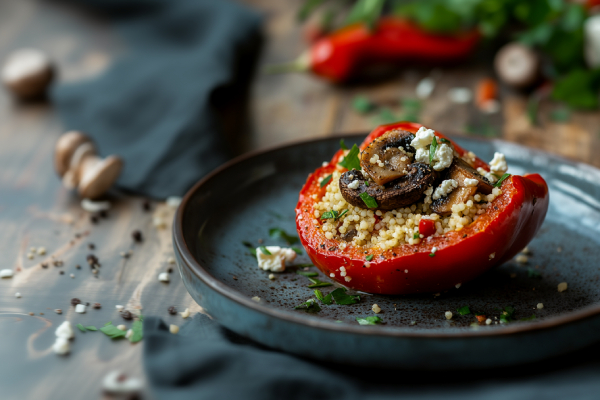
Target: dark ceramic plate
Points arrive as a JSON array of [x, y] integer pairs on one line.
[[243, 199]]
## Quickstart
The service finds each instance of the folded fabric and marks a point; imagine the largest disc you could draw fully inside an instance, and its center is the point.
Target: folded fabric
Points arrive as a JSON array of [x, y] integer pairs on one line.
[[206, 361], [157, 105]]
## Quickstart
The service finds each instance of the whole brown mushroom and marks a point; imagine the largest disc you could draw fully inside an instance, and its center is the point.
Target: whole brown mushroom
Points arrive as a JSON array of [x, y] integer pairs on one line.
[[517, 65], [27, 73]]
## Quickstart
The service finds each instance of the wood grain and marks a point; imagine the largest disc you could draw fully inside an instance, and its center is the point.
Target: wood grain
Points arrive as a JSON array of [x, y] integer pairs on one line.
[[36, 211]]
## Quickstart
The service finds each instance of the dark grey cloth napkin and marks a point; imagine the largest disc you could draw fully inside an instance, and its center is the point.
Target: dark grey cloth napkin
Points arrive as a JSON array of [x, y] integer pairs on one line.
[[158, 104], [206, 361]]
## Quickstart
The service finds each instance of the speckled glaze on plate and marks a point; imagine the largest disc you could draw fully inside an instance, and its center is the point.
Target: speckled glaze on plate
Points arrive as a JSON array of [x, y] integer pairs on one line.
[[244, 198]]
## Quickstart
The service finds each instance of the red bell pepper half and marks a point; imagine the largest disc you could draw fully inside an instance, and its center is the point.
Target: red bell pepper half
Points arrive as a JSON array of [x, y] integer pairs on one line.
[[506, 227]]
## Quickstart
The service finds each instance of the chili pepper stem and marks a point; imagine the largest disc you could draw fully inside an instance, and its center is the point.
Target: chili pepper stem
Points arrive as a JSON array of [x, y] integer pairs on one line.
[[301, 64]]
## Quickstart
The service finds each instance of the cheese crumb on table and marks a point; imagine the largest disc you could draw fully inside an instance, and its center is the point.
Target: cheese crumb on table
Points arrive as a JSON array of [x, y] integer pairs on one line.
[[122, 327], [488, 321], [185, 313], [376, 309], [129, 334], [277, 260], [80, 308], [256, 299], [562, 286], [540, 306], [61, 346], [522, 259], [65, 331], [174, 329], [119, 307], [448, 315], [6, 273], [164, 277]]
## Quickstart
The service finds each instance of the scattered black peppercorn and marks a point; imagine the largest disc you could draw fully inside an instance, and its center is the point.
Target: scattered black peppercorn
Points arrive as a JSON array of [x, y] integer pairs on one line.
[[92, 259], [103, 214], [127, 315], [172, 310], [78, 266], [78, 235], [97, 306], [137, 236], [170, 270], [91, 246], [87, 304], [62, 272], [146, 205], [94, 219], [44, 265], [75, 301]]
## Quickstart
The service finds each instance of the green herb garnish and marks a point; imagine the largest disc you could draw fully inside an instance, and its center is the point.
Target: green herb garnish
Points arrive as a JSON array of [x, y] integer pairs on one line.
[[310, 306], [326, 180], [416, 235], [528, 318], [112, 331], [502, 178], [277, 233], [342, 214], [317, 283], [464, 310], [307, 265], [333, 214], [366, 183], [444, 140], [507, 314], [297, 250], [343, 144], [560, 115], [250, 247], [432, 149], [365, 11], [138, 330], [532, 273], [308, 274], [362, 105], [327, 300], [91, 328], [264, 250], [351, 160], [369, 257], [108, 323], [431, 254], [341, 298], [368, 200], [81, 327], [372, 320]]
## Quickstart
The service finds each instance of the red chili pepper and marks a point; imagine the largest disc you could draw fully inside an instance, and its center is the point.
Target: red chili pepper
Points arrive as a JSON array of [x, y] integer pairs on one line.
[[427, 227], [496, 236], [340, 55]]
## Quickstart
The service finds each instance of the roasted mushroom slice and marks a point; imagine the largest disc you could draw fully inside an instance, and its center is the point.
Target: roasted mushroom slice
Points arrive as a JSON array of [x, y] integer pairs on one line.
[[469, 182], [402, 192], [388, 156]]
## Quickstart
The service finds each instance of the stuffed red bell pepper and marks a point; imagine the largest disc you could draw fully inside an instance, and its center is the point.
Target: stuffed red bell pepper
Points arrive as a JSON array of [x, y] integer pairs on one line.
[[410, 211]]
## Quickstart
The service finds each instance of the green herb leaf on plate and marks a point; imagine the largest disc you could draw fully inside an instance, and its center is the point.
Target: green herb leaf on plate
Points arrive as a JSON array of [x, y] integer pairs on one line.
[[308, 274], [507, 315], [310, 306], [432, 150], [341, 298], [343, 145], [369, 257], [502, 178], [278, 233], [264, 250], [91, 328], [138, 330], [368, 200], [317, 283], [112, 331], [372, 320], [531, 318], [297, 250], [327, 300], [464, 310], [351, 160], [81, 327]]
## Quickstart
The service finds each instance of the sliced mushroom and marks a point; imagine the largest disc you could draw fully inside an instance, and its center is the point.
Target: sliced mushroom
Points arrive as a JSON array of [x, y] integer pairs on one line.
[[460, 171], [387, 157], [402, 192]]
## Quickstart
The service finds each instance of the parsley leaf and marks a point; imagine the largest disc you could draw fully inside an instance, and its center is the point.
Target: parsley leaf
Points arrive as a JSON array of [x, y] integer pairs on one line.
[[138, 330], [365, 11], [507, 314], [317, 283], [343, 144], [297, 250], [342, 214], [310, 306], [368, 200], [532, 273], [325, 299], [362, 105], [326, 180], [531, 318], [372, 320], [351, 160], [341, 298], [330, 215], [307, 265], [369, 257], [465, 310], [502, 178], [416, 235], [264, 250], [308, 274], [81, 327], [277, 233], [578, 89], [91, 328], [250, 247], [112, 331], [432, 149]]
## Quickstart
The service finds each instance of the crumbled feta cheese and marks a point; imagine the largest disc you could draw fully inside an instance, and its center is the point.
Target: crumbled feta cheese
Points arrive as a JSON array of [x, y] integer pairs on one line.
[[525, 250], [492, 255], [487, 175], [65, 331], [468, 182], [41, 251], [425, 88], [422, 155], [498, 163], [72, 276], [119, 307], [117, 382], [458, 285], [376, 309], [95, 206], [423, 138], [164, 277], [122, 327], [522, 259], [445, 188], [434, 250], [61, 346], [272, 277], [347, 278], [80, 308], [185, 314], [374, 159], [18, 295], [354, 184], [443, 157], [540, 306], [562, 286], [277, 260], [488, 321], [6, 273], [448, 315], [174, 329], [324, 164], [256, 299]]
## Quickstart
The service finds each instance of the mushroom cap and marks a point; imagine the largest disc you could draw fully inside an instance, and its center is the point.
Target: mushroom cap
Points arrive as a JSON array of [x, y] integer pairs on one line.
[[402, 192], [517, 65], [392, 149], [27, 73], [65, 147], [95, 182]]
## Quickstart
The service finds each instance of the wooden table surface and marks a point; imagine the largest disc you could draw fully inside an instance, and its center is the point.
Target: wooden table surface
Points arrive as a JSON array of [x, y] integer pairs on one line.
[[36, 211]]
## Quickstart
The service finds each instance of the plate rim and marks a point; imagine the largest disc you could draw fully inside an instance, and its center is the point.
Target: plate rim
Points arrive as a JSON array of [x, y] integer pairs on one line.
[[382, 331]]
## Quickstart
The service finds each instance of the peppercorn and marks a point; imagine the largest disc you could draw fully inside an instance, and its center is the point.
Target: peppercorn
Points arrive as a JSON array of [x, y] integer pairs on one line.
[[75, 301], [103, 214], [127, 315], [137, 236], [172, 310], [146, 205], [91, 246], [94, 219], [97, 306]]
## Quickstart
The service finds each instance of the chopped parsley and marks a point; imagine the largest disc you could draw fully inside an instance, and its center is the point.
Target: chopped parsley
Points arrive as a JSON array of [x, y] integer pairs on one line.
[[327, 300], [326, 180], [343, 144], [250, 247], [264, 250], [310, 306], [362, 105], [317, 283], [308, 274], [333, 214], [432, 149], [368, 200], [112, 331], [372, 320], [307, 265], [528, 318], [138, 330], [416, 235], [341, 298], [369, 257], [342, 214], [81, 327], [507, 314], [465, 310], [297, 250], [532, 273], [431, 254], [351, 160], [502, 178], [444, 140], [91, 328], [278, 233], [366, 183]]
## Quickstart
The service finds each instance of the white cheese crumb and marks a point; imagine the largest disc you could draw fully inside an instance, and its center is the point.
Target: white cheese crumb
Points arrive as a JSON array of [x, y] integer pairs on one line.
[[164, 277], [6, 273], [272, 277], [540, 306], [443, 157], [347, 278], [525, 250], [276, 260], [458, 285], [376, 309], [41, 251], [122, 327], [425, 88], [488, 321], [423, 138], [492, 255], [80, 308], [448, 315], [498, 163], [171, 260], [460, 95], [324, 164], [174, 329], [562, 286], [406, 271], [30, 256], [468, 182], [434, 250], [129, 334], [185, 313], [117, 382], [95, 206], [354, 184], [422, 155], [332, 275], [522, 259], [65, 331], [18, 295], [119, 307], [445, 188], [256, 299], [72, 276], [61, 346]]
